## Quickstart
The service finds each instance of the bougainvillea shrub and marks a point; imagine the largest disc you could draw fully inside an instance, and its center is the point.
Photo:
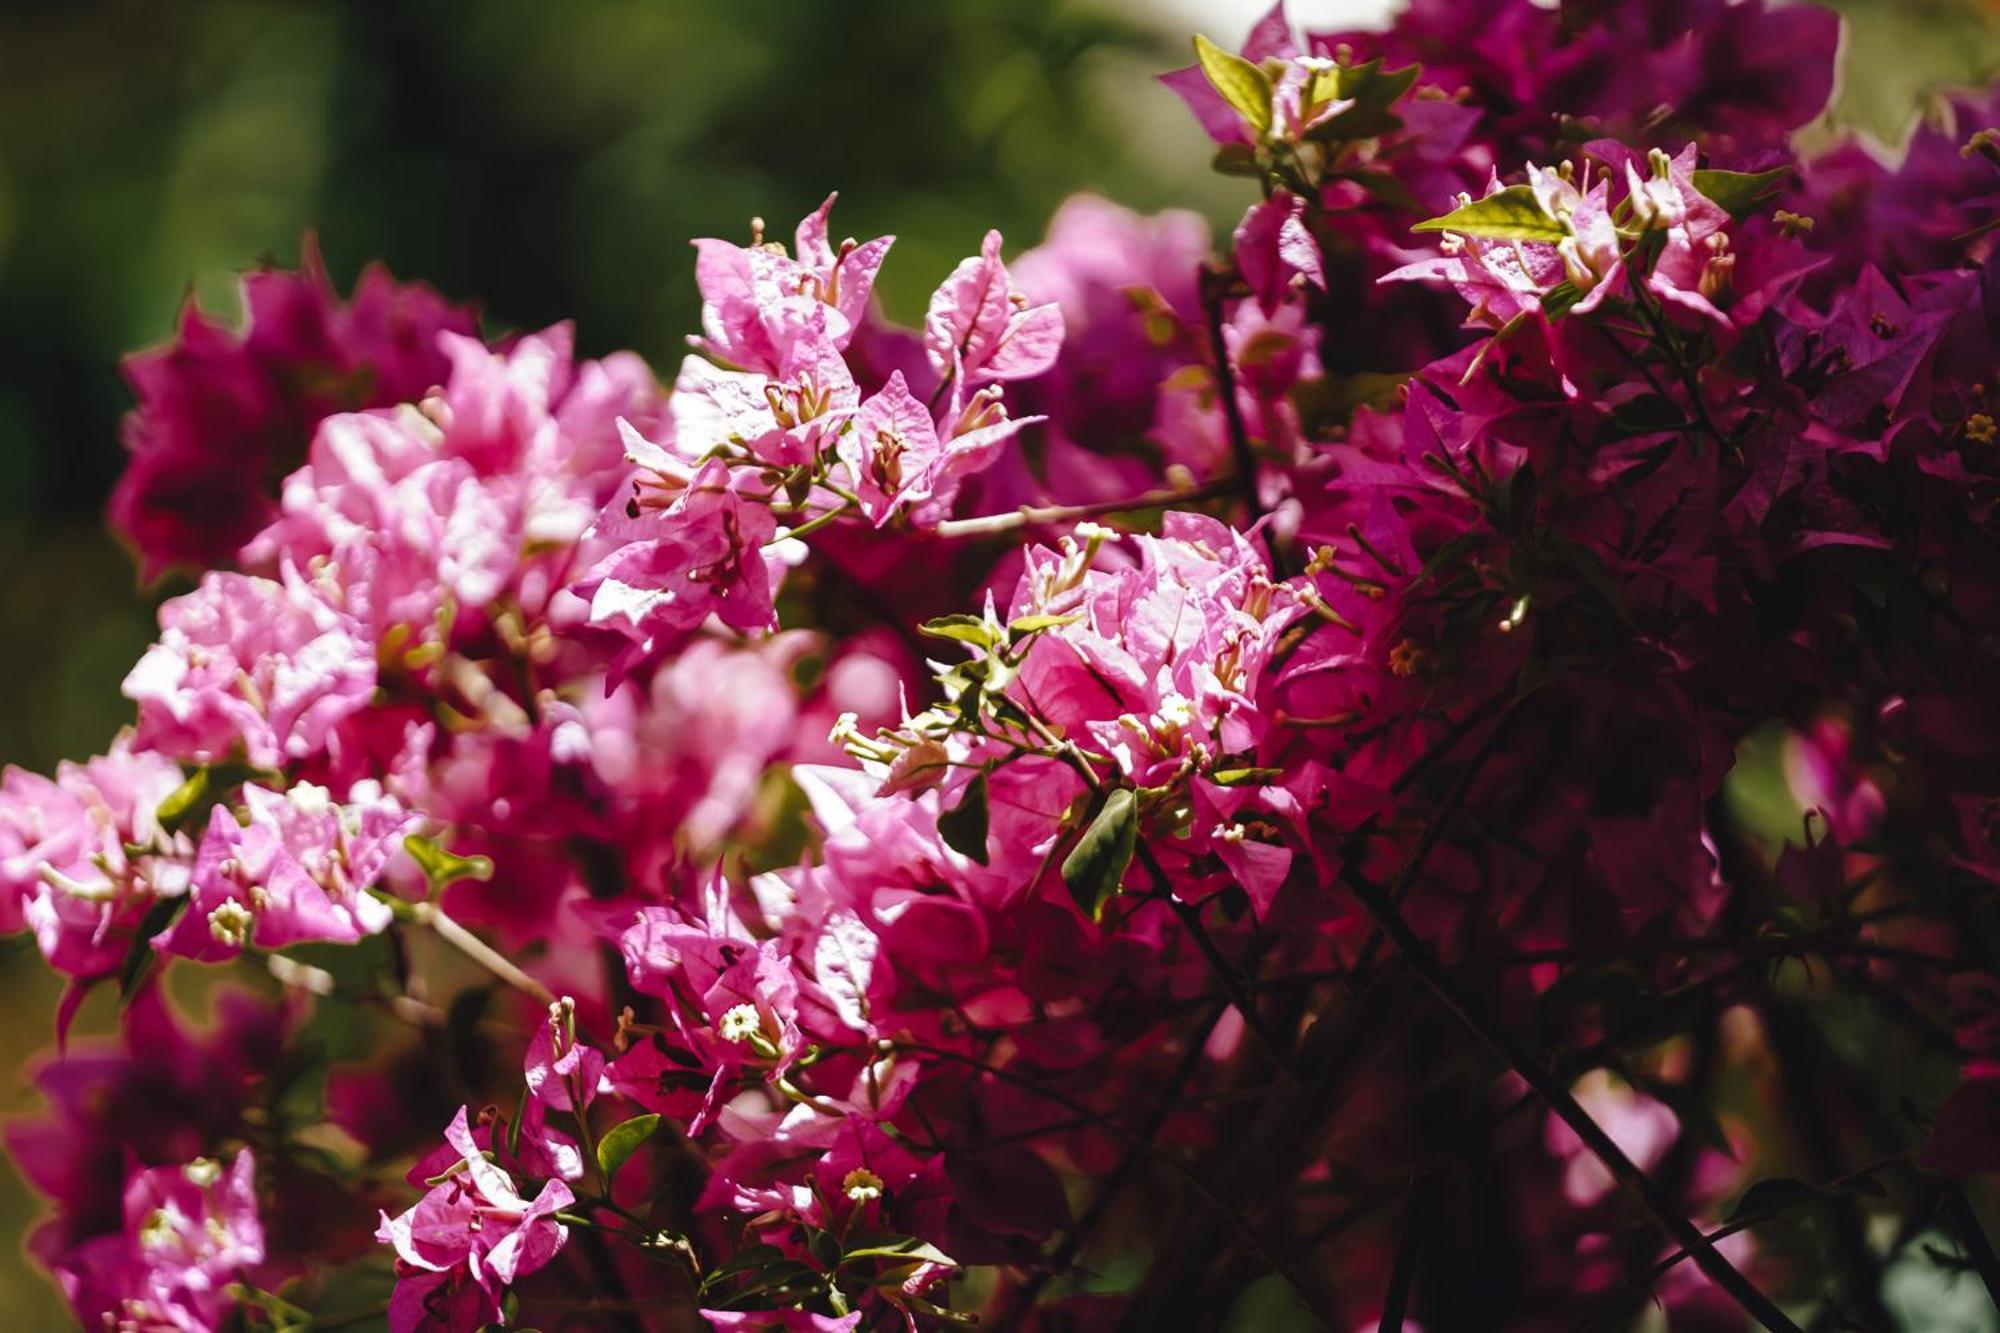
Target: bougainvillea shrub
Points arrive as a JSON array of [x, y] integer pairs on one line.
[[1433, 762]]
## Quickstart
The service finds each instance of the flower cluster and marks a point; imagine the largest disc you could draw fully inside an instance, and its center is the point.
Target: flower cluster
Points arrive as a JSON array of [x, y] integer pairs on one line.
[[1424, 760]]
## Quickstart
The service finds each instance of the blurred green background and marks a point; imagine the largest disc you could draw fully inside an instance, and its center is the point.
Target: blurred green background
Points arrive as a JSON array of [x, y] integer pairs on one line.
[[551, 160]]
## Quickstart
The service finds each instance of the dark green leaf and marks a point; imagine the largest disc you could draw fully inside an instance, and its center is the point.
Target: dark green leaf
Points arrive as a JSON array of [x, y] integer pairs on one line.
[[1385, 187], [1557, 300], [461, 1034], [1238, 159], [616, 1148], [1095, 867], [1740, 192], [743, 1261], [140, 956], [883, 1245], [1372, 86], [964, 826], [1868, 1185], [1512, 214], [1647, 414], [1373, 91], [824, 1247], [1333, 400], [1357, 122], [779, 1282], [1768, 1197], [1244, 86]]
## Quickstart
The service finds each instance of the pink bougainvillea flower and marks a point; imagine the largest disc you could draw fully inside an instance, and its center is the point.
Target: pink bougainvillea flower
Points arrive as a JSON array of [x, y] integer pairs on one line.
[[84, 857], [190, 1231], [297, 868], [677, 558], [1275, 249], [468, 1239], [250, 668], [757, 301], [980, 328]]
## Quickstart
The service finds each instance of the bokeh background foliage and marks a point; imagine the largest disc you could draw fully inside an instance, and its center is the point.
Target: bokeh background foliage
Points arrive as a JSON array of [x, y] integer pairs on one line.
[[550, 159]]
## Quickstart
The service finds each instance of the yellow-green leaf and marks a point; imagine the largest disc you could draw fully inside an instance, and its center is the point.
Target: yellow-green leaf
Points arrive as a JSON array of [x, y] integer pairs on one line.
[[1244, 86], [1512, 214], [616, 1148], [442, 867]]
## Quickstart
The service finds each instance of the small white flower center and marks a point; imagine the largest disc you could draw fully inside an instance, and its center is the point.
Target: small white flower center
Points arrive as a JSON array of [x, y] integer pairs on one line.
[[230, 923], [861, 1185], [739, 1023]]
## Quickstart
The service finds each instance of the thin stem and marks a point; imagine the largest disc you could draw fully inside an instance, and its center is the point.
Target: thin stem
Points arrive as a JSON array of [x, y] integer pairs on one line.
[[1224, 971], [1072, 1245], [814, 524], [1030, 515], [1823, 944], [479, 951], [1209, 1194], [1434, 831], [1758, 1219], [1663, 332], [1214, 284], [350, 1318], [1971, 1235], [1190, 917], [1397, 1302], [1503, 1043]]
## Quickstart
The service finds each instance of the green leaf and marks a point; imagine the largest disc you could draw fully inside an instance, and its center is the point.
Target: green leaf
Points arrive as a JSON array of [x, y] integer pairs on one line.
[[1740, 192], [1095, 867], [1243, 777], [177, 811], [187, 805], [284, 1316], [1033, 624], [442, 867], [1587, 565], [616, 1148], [432, 1182], [139, 958], [824, 1247], [745, 1259], [1868, 1185], [1373, 92], [964, 628], [964, 826], [1383, 186], [1647, 414], [1357, 122], [1768, 1197], [884, 1245], [1372, 86], [1557, 300], [462, 1041], [780, 1282], [1333, 400], [1238, 159], [1244, 86], [1512, 214]]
